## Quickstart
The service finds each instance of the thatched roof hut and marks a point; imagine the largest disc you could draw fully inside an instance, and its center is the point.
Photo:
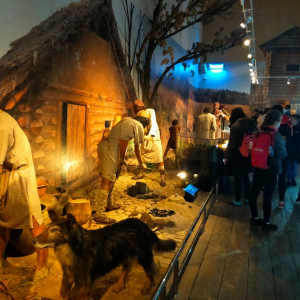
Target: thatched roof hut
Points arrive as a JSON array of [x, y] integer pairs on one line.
[[34, 52], [62, 82]]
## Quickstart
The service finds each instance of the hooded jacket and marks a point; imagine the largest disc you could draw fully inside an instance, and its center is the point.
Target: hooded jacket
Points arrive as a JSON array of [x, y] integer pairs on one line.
[[286, 132], [237, 131], [296, 143]]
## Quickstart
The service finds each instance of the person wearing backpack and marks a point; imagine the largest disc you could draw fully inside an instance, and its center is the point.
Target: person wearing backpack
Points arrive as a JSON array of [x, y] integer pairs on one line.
[[240, 125], [292, 164], [286, 132], [296, 145], [267, 153]]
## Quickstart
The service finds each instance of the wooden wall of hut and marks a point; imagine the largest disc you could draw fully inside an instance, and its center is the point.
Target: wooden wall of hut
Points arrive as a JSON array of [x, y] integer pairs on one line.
[[278, 88], [87, 75]]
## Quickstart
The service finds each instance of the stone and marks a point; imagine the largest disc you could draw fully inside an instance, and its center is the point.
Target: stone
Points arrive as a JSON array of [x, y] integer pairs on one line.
[[177, 199], [156, 193], [133, 191]]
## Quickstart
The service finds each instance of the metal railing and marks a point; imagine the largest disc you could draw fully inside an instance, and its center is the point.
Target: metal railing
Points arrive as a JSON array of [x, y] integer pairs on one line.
[[161, 292]]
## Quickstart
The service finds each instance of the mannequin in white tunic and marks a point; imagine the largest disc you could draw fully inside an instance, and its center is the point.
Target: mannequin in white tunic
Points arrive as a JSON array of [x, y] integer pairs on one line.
[[111, 153], [22, 208], [152, 151]]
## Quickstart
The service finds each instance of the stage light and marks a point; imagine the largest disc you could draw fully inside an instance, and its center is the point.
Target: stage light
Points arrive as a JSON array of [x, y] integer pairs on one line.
[[181, 175], [247, 42], [249, 20], [243, 25], [249, 55], [251, 64], [289, 81]]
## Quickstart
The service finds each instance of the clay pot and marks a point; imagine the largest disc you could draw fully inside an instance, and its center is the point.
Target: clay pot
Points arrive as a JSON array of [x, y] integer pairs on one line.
[[80, 209], [41, 185], [45, 214], [61, 194], [49, 201]]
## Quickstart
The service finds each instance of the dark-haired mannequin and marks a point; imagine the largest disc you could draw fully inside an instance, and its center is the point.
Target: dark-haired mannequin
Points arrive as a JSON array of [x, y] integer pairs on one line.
[[111, 153]]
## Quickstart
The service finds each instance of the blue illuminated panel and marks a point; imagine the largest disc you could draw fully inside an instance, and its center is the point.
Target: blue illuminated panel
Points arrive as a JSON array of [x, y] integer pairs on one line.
[[216, 68], [191, 189]]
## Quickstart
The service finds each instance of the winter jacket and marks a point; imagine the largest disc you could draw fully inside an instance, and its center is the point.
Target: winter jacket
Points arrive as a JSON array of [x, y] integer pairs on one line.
[[280, 151], [237, 132], [296, 143], [286, 130]]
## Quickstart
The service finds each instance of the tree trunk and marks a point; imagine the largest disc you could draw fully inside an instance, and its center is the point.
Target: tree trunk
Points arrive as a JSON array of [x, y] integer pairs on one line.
[[146, 83]]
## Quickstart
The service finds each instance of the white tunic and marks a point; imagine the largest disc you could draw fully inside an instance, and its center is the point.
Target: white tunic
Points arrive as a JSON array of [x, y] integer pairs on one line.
[[206, 126], [22, 201], [108, 149], [152, 151]]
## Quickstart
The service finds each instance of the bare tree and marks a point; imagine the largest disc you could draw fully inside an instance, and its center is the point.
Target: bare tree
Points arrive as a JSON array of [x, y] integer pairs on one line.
[[129, 12], [169, 20]]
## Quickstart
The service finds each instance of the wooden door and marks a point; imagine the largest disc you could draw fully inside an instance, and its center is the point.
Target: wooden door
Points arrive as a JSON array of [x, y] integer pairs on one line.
[[75, 143]]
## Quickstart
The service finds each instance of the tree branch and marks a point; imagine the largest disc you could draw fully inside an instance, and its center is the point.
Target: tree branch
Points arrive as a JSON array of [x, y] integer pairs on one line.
[[193, 55], [205, 15]]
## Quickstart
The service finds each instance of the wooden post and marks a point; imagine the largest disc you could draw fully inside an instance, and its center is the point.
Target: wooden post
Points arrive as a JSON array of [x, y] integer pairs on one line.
[[87, 135], [58, 143]]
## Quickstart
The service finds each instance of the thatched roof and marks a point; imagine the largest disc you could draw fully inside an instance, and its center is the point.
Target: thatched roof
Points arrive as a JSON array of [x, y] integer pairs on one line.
[[289, 39], [36, 50]]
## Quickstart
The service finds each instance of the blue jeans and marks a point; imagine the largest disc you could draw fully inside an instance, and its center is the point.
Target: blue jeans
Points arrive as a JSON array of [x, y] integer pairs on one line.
[[291, 169]]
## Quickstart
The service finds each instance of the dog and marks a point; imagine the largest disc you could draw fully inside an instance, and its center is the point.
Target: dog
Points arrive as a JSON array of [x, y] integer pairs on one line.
[[86, 255]]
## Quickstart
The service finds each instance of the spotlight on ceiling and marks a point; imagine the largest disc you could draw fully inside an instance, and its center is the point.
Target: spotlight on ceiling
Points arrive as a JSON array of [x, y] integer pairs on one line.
[[289, 81], [247, 42], [243, 25], [249, 55]]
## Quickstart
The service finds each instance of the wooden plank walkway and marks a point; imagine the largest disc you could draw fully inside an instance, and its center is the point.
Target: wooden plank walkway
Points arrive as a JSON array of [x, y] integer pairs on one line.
[[233, 261]]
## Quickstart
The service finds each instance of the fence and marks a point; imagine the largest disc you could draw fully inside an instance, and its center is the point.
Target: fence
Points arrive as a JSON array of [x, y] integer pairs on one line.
[[161, 292]]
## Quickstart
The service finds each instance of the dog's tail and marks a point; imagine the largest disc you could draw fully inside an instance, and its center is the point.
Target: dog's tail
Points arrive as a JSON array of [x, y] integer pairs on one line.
[[164, 245]]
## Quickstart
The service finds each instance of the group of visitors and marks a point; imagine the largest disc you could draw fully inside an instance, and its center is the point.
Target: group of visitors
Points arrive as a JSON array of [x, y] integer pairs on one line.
[[272, 143]]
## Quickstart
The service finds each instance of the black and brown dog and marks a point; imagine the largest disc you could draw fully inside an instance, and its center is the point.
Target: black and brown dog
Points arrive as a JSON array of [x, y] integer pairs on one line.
[[86, 255]]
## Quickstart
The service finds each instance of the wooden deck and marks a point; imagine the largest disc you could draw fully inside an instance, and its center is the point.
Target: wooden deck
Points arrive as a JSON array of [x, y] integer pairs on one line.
[[233, 261]]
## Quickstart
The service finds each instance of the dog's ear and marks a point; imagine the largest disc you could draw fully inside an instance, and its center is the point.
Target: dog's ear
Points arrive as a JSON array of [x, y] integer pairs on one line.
[[53, 215], [71, 220]]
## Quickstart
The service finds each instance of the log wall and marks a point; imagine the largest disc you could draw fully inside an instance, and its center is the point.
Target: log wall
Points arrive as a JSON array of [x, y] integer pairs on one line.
[[87, 75], [277, 88]]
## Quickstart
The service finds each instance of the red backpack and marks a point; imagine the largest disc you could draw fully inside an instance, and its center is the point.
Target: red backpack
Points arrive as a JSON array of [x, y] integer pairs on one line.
[[245, 147], [260, 149]]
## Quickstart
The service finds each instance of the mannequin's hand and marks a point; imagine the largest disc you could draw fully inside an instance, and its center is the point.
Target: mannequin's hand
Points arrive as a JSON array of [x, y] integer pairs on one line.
[[143, 166]]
